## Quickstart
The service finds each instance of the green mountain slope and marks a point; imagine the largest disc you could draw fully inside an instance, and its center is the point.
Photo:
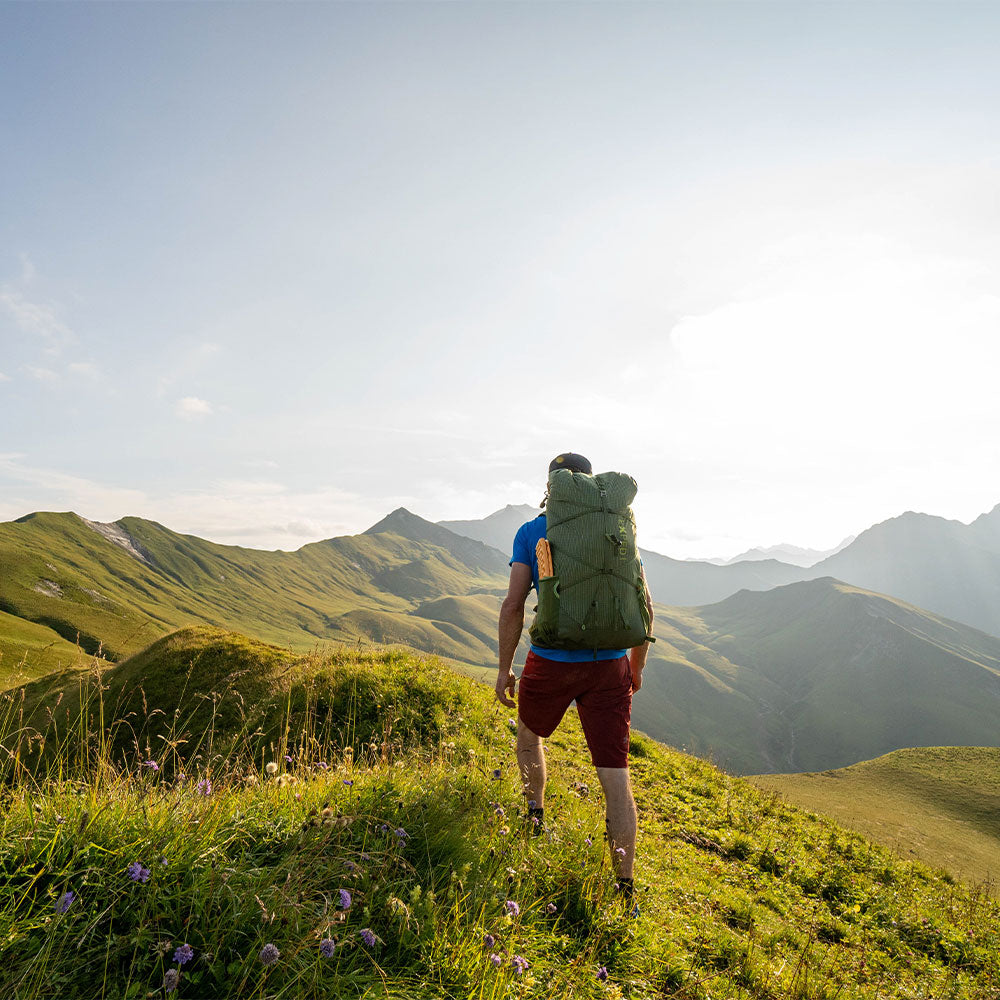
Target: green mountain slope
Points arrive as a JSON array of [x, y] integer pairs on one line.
[[392, 831], [119, 586], [950, 568], [816, 675], [939, 804]]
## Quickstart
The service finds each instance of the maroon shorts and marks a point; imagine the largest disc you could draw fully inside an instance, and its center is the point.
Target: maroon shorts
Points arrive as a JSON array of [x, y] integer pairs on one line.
[[602, 690]]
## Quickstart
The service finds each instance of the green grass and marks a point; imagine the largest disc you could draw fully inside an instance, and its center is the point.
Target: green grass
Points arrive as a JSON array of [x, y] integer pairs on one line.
[[938, 804], [29, 650], [62, 574], [740, 894]]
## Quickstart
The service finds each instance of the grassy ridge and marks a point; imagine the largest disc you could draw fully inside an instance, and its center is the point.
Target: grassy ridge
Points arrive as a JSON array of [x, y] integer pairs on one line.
[[816, 675], [29, 650], [417, 817], [60, 572], [939, 804]]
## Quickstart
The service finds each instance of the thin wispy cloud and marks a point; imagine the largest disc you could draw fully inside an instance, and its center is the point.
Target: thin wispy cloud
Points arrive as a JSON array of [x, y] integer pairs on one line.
[[4, 378], [42, 374], [36, 318]]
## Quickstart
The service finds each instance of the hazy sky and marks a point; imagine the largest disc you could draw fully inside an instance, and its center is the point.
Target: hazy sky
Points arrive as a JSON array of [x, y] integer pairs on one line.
[[268, 271]]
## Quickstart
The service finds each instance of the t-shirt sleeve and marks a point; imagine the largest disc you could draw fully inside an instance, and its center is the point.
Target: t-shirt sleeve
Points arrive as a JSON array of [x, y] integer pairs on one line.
[[522, 548]]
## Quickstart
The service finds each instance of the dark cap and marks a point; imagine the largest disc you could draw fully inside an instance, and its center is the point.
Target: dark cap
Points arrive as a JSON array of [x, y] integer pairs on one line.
[[575, 463]]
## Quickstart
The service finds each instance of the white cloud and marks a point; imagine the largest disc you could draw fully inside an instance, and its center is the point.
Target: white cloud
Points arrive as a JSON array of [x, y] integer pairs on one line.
[[4, 378], [36, 318], [86, 369], [193, 408], [42, 374]]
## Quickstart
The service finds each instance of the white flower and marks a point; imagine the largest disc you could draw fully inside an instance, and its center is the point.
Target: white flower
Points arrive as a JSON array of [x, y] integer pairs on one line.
[[271, 768]]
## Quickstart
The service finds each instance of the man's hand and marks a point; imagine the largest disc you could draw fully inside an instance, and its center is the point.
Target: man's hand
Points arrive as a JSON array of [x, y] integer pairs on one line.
[[636, 669], [505, 682]]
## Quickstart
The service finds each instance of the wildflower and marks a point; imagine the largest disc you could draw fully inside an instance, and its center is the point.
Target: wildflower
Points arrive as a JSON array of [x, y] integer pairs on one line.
[[288, 759], [512, 908], [205, 787], [620, 851], [602, 974], [269, 954], [588, 842], [503, 831], [271, 768], [322, 765], [384, 828], [489, 940], [137, 873], [496, 959], [250, 779], [345, 899], [151, 764], [348, 782], [512, 724], [327, 947], [64, 902], [532, 804], [365, 856], [163, 861], [368, 938], [496, 774], [520, 964], [350, 866], [170, 980], [401, 833], [551, 908], [183, 954], [498, 811]]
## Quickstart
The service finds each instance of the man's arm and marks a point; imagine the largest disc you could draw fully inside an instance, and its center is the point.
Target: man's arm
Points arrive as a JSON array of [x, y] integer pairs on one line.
[[637, 655], [511, 624]]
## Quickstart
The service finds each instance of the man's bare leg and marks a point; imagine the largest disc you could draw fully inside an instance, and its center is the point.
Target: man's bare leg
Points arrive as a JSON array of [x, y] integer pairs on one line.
[[531, 761], [621, 817]]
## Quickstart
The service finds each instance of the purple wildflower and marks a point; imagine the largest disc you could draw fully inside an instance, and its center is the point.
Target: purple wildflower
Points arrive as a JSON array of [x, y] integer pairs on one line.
[[137, 873], [620, 851], [365, 856], [288, 759], [348, 782], [489, 940], [327, 947], [64, 902], [499, 811], [496, 959], [496, 773], [345, 899], [170, 979], [151, 764], [368, 938], [384, 828], [520, 964], [401, 833], [588, 841], [532, 804], [551, 908], [350, 865], [183, 954], [322, 765], [205, 787], [269, 954], [512, 908], [602, 973]]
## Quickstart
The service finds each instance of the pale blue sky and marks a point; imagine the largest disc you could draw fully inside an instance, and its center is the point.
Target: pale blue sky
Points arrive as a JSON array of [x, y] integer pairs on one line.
[[269, 270]]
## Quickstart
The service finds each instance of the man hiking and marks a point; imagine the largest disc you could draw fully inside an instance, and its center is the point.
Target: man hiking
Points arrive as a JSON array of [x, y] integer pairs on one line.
[[591, 576]]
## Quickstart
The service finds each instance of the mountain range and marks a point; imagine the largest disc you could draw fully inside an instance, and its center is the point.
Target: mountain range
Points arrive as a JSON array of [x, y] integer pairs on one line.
[[761, 665]]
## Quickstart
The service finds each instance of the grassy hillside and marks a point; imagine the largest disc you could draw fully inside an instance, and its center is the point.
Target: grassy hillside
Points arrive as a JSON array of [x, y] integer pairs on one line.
[[939, 804], [80, 580], [816, 675], [108, 871], [28, 650], [945, 566]]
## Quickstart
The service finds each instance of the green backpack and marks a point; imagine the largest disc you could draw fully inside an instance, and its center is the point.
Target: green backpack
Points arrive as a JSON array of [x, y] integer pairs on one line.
[[596, 598]]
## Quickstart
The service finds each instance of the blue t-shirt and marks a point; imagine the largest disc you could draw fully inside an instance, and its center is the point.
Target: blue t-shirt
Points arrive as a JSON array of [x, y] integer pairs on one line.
[[524, 552]]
